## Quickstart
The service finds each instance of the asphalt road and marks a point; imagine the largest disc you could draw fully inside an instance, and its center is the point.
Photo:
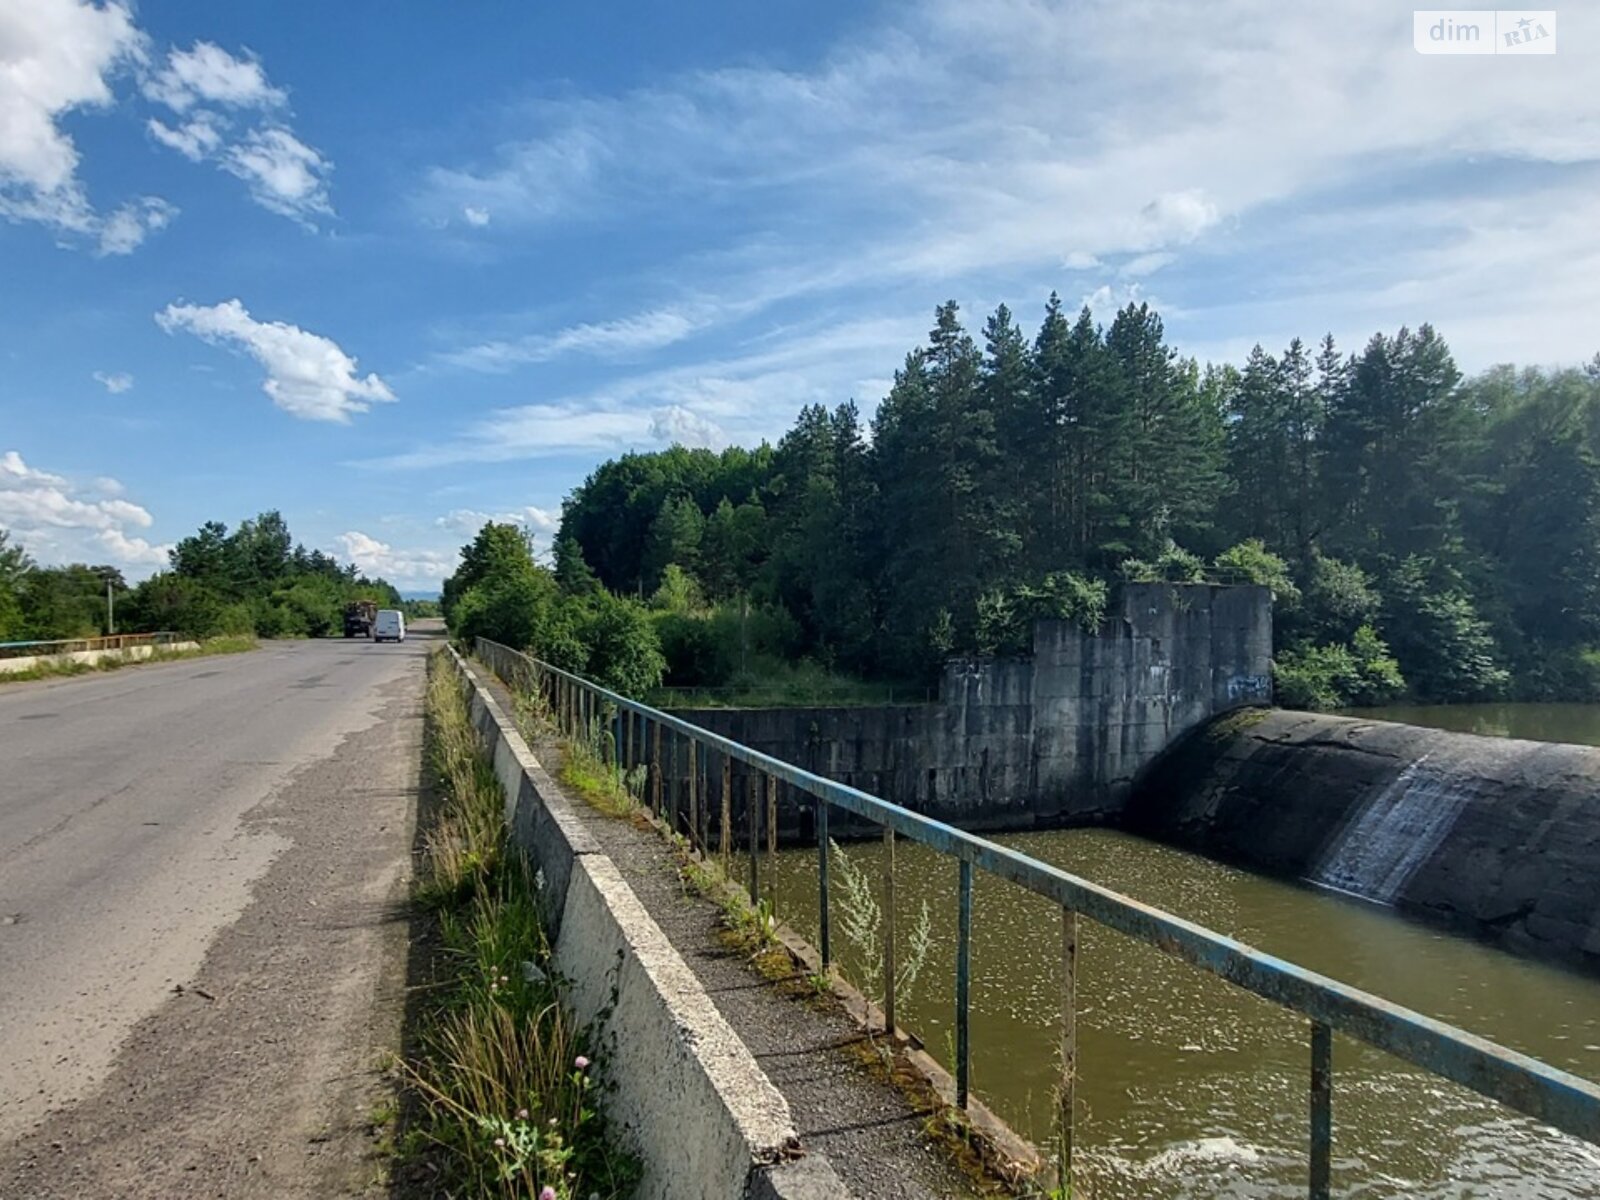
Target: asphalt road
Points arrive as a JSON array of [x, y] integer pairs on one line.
[[143, 812]]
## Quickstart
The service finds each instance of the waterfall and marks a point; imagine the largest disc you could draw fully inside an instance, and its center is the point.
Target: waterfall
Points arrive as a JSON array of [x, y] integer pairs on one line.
[[1394, 832]]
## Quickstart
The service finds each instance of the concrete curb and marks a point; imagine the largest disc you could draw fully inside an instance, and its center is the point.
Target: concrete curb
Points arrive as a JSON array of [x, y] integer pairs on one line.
[[12, 666], [688, 1096]]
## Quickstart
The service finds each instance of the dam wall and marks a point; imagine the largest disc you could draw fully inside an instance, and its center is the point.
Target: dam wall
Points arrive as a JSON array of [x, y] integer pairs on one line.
[[1496, 837], [1050, 738]]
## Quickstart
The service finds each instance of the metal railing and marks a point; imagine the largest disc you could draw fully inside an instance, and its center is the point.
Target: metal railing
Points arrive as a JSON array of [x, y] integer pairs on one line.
[[118, 641], [1533, 1088]]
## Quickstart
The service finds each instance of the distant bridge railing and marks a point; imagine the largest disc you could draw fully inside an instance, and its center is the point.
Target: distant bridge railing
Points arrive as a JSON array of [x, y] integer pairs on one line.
[[118, 641], [1533, 1088]]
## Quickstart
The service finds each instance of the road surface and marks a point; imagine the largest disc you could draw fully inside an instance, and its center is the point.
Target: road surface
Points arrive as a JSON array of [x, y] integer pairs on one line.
[[202, 869]]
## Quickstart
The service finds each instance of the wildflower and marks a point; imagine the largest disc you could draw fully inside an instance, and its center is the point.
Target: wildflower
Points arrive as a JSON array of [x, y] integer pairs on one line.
[[500, 1143], [522, 1114], [547, 1193], [581, 1063]]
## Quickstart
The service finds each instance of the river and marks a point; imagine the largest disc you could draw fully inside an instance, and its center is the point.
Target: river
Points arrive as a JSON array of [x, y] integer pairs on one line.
[[1576, 723], [1190, 1087]]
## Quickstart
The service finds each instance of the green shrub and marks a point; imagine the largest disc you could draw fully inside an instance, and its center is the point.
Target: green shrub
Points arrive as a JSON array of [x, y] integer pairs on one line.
[[1251, 562], [1337, 675], [1173, 565]]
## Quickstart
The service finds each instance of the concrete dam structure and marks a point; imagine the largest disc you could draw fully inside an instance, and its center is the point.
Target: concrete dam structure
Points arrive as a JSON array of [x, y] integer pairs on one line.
[[1056, 737], [1495, 837]]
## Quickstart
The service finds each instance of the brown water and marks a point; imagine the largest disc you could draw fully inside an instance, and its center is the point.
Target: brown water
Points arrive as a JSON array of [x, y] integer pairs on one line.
[[1577, 723], [1190, 1087]]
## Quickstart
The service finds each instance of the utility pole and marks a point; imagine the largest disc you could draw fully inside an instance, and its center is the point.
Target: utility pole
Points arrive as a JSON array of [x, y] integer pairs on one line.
[[111, 612]]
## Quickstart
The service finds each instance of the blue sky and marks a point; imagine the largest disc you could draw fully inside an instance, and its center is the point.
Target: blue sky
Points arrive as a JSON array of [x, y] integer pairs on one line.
[[395, 268]]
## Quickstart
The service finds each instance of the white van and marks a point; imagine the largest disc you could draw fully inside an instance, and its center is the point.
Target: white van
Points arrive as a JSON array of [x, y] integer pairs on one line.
[[390, 626]]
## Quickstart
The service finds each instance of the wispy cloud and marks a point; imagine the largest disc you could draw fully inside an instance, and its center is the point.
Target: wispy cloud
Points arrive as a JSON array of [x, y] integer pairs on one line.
[[308, 375], [975, 150], [737, 398], [115, 382], [623, 337], [284, 174]]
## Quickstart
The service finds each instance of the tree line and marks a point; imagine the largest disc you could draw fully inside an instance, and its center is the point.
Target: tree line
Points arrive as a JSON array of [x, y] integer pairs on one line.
[[254, 579], [1422, 532]]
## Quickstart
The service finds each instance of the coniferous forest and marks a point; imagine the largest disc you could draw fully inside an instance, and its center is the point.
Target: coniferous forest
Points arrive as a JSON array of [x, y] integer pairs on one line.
[[1424, 533]]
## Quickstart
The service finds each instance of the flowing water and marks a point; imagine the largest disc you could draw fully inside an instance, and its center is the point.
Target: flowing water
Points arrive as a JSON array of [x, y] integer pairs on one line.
[[1190, 1087]]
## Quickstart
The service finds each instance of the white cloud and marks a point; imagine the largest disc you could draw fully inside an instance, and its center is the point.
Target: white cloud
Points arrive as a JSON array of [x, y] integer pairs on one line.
[[206, 73], [955, 148], [15, 473], [676, 425], [625, 336], [123, 230], [59, 521], [401, 567], [134, 551], [196, 140], [284, 174], [741, 398], [308, 375], [475, 215], [1178, 217], [115, 382], [467, 521], [58, 57], [1147, 264]]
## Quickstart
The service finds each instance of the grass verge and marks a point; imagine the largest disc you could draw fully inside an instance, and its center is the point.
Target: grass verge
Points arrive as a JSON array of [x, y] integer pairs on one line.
[[229, 644], [501, 1098]]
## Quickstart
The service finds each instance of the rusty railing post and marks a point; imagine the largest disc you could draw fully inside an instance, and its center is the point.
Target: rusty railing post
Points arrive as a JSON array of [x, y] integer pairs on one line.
[[1069, 1042], [694, 794], [725, 834], [655, 768], [772, 843], [963, 980], [888, 930], [1321, 1111], [822, 881], [752, 821]]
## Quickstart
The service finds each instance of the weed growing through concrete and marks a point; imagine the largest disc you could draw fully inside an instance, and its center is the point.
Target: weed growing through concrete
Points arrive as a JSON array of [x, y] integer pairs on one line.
[[861, 921], [506, 1098]]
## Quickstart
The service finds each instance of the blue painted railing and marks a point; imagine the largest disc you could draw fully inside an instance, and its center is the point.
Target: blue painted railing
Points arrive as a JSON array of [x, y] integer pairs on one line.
[[1533, 1088]]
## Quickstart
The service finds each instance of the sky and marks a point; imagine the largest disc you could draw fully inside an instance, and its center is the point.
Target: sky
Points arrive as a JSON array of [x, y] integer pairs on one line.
[[397, 269]]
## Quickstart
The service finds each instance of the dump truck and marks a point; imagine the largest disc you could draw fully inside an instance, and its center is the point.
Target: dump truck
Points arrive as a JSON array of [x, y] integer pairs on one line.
[[358, 618]]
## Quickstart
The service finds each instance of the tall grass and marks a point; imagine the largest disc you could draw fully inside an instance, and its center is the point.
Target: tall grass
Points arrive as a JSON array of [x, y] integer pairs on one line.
[[508, 1096]]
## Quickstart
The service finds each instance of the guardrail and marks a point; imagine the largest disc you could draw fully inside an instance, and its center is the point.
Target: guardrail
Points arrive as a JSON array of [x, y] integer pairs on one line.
[[637, 732], [119, 641]]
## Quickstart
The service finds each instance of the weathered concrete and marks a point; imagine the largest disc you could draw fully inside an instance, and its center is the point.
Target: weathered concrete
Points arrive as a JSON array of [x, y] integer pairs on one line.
[[1495, 836], [13, 666], [689, 1097], [1050, 739]]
